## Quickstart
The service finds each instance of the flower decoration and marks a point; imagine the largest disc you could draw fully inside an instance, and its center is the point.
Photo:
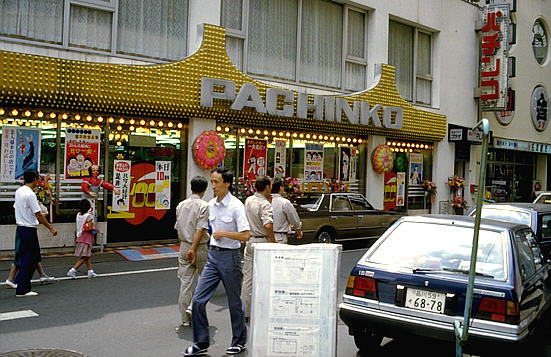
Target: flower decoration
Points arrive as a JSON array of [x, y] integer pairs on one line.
[[459, 202], [291, 185], [430, 187], [382, 159], [456, 182], [44, 190], [245, 189], [336, 185], [208, 150]]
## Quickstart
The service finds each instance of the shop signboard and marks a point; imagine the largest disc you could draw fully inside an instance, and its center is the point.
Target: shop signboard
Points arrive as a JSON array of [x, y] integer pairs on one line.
[[254, 163], [400, 188], [390, 190], [539, 108], [20, 152], [82, 150], [313, 162], [415, 169], [162, 185], [280, 159], [121, 175]]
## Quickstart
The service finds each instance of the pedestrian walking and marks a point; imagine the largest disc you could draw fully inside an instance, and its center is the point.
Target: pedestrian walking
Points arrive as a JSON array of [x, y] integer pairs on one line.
[[85, 238], [260, 216], [285, 215], [229, 228], [192, 223], [27, 217]]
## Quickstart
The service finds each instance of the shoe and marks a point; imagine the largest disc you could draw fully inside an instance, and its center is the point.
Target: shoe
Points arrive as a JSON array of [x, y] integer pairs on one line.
[[182, 327], [188, 314], [91, 274], [46, 279], [72, 273], [233, 350], [10, 284], [30, 293], [195, 351]]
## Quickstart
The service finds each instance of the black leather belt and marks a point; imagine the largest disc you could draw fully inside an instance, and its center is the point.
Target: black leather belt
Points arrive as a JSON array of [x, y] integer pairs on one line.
[[281, 232], [220, 248]]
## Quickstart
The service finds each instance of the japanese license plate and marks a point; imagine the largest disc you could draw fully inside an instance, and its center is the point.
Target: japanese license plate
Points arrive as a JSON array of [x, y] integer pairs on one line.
[[425, 300]]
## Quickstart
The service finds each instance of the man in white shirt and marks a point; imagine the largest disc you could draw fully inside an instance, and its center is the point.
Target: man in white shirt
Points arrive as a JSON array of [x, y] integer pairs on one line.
[[285, 214], [229, 228], [27, 216]]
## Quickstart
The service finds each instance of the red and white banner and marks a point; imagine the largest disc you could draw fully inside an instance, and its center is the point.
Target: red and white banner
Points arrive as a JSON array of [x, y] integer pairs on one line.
[[254, 163], [82, 150], [121, 181], [162, 183]]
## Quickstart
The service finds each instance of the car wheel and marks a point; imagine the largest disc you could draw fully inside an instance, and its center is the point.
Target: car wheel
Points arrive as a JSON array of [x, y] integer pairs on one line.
[[367, 341], [325, 236]]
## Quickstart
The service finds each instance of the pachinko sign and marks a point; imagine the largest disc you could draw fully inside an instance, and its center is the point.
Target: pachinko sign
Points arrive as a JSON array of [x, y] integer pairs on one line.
[[81, 152]]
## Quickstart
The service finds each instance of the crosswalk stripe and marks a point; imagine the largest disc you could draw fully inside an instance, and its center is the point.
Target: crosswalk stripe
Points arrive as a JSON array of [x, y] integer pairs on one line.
[[4, 316]]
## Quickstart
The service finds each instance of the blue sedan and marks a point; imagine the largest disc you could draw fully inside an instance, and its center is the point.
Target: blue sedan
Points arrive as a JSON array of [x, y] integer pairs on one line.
[[413, 281]]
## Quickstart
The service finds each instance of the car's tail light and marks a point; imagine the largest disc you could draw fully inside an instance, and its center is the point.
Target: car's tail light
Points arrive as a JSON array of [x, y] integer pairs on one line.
[[361, 287], [498, 310]]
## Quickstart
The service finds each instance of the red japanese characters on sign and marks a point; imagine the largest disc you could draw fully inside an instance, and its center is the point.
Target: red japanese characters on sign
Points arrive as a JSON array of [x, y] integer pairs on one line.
[[493, 71]]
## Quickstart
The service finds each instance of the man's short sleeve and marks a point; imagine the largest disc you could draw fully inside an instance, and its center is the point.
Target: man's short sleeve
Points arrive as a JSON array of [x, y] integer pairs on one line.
[[267, 214], [241, 218], [203, 217], [32, 202]]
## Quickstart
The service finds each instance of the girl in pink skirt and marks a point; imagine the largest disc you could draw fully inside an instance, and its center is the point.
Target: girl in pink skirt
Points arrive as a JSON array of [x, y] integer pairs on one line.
[[85, 239]]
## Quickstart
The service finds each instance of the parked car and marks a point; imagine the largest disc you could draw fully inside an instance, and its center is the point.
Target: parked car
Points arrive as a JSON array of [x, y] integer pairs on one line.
[[335, 217], [543, 197], [413, 282], [535, 215]]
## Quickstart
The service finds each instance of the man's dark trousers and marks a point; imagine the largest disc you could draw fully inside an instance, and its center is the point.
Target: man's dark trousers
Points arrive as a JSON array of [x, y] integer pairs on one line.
[[29, 256]]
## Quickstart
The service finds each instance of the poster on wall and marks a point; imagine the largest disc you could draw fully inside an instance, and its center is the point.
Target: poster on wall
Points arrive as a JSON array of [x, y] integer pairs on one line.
[[353, 163], [82, 150], [345, 161], [313, 162], [280, 159], [20, 152], [390, 189], [162, 185], [121, 181], [415, 169], [254, 163], [400, 188]]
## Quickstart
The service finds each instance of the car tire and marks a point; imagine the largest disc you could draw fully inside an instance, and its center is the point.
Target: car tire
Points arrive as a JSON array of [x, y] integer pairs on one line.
[[367, 341], [325, 236]]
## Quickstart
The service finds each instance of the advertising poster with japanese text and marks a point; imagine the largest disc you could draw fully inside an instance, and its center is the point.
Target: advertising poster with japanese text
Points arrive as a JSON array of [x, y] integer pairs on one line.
[[82, 150], [390, 189], [415, 169], [162, 184], [400, 189], [254, 163], [20, 152], [280, 158], [345, 163], [313, 162], [121, 181]]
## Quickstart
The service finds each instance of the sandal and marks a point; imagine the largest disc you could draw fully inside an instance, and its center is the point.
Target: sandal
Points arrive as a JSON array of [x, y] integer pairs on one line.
[[233, 350], [195, 351]]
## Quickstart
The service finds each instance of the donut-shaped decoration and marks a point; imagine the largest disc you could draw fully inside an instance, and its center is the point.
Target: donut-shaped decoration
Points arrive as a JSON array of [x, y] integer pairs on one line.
[[382, 159], [208, 150]]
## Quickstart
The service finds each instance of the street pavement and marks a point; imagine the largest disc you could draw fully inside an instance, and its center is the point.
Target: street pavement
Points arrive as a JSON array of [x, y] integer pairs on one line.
[[131, 309]]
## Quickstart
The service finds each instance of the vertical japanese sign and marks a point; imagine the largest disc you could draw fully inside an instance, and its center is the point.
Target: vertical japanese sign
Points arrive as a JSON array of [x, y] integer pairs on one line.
[[121, 181], [254, 162], [493, 66], [313, 162], [415, 169], [280, 158], [20, 152], [345, 163], [400, 188], [390, 189], [162, 184], [82, 150]]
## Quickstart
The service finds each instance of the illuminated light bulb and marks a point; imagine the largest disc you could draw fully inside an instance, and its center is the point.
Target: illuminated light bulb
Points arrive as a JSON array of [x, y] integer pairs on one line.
[[117, 136], [314, 136], [307, 136], [2, 111], [100, 119], [250, 131], [124, 137], [354, 140], [27, 123], [287, 134], [325, 137], [119, 128], [77, 117], [131, 128], [242, 130], [360, 141], [119, 143], [301, 135], [265, 132], [426, 146], [401, 150], [132, 121], [27, 113], [64, 116], [280, 133], [52, 115], [142, 122], [170, 124], [332, 138], [417, 146], [180, 125], [40, 114], [5, 121], [388, 143], [274, 133], [152, 123], [408, 145], [14, 112], [295, 135], [258, 131], [158, 132], [218, 128], [410, 150], [161, 123], [349, 140], [227, 129], [121, 120], [338, 139], [266, 137]]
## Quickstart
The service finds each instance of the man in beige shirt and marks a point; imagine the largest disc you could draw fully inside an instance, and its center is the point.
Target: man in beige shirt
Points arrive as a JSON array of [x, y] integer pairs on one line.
[[192, 222], [285, 214], [260, 216]]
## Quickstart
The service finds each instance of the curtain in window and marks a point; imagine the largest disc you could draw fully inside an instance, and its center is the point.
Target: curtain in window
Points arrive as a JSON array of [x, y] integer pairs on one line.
[[232, 14], [354, 76], [234, 49], [424, 84], [90, 28], [356, 34], [321, 43], [272, 38], [400, 55], [153, 28], [32, 19]]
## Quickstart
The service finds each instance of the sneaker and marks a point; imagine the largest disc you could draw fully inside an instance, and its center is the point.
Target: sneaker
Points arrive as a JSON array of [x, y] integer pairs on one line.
[[188, 314], [233, 350], [30, 293], [195, 351], [91, 274], [46, 279], [72, 273], [10, 284], [182, 327]]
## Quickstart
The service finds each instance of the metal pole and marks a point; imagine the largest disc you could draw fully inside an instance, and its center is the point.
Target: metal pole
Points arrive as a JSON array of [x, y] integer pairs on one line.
[[462, 332]]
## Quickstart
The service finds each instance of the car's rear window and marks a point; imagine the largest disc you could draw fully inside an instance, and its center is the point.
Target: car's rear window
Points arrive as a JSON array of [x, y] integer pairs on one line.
[[441, 247], [505, 215], [308, 202]]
